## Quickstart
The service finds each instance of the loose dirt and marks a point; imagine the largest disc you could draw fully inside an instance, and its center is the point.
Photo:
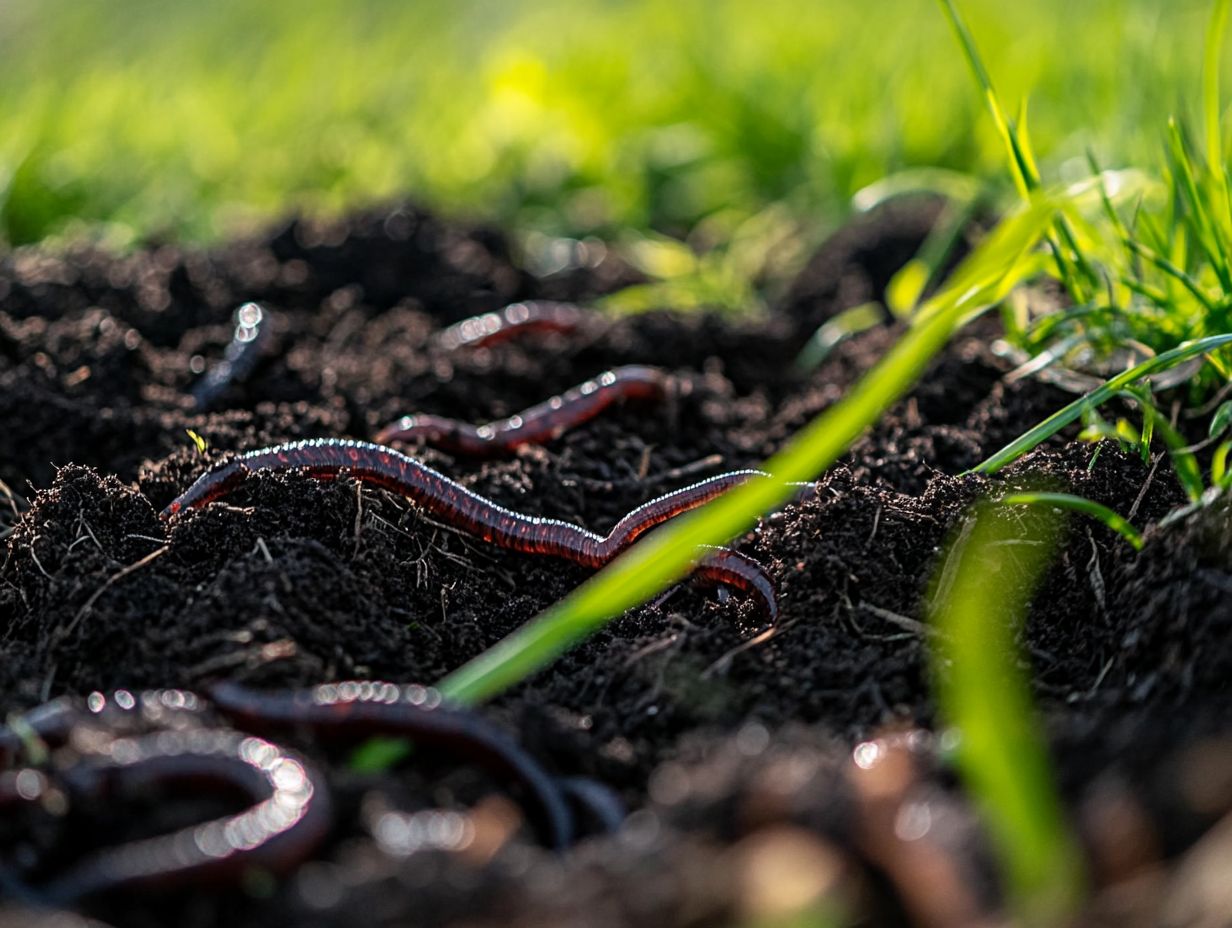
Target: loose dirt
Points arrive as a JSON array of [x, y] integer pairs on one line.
[[730, 740]]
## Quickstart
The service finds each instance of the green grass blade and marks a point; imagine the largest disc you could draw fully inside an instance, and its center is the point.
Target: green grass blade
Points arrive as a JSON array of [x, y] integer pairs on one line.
[[1024, 178], [1211, 111], [953, 185], [668, 554], [1219, 465], [846, 324], [984, 272], [1204, 228], [1174, 272], [1110, 518], [1022, 163], [983, 694], [1221, 420], [1188, 473], [1101, 394], [908, 286]]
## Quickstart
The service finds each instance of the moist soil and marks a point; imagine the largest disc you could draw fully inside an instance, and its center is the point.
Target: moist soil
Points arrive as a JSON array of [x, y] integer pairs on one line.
[[730, 740]]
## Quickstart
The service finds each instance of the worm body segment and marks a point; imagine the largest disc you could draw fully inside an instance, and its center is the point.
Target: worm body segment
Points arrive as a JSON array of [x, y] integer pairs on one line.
[[114, 758], [364, 708], [541, 423], [512, 321], [287, 819]]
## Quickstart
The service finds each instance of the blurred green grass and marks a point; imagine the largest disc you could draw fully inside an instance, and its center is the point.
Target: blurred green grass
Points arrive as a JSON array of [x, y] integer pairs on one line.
[[171, 118]]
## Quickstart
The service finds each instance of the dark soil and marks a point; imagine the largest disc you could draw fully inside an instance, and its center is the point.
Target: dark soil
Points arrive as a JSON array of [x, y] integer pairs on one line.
[[729, 740]]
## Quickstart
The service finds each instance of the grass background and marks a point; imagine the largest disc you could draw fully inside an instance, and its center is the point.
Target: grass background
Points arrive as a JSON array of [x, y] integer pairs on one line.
[[188, 119]]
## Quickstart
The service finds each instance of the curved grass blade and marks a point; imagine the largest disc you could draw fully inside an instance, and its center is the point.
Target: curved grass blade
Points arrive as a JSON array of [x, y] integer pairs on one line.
[[983, 694], [1184, 464], [846, 324], [953, 185], [1219, 465], [1101, 394], [1221, 420], [1000, 262], [1110, 518]]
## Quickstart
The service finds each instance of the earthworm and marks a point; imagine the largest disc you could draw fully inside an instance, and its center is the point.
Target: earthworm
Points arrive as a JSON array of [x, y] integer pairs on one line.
[[248, 345], [597, 804], [540, 423], [326, 458], [287, 818], [358, 709], [513, 320], [53, 722], [731, 568]]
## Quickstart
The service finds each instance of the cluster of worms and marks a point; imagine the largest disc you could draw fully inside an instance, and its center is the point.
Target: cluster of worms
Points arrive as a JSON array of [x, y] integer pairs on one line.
[[71, 752], [378, 464]]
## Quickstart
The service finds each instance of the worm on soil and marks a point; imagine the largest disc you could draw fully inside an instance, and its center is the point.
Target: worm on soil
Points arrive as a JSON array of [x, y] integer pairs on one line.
[[287, 817], [512, 321], [594, 803], [540, 423], [325, 459], [358, 709], [249, 343], [49, 725]]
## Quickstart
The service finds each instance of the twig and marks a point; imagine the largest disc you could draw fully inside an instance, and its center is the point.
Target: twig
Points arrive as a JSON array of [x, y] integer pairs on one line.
[[876, 523], [251, 657], [1146, 484], [12, 497], [724, 662], [34, 557], [906, 624], [149, 538], [686, 470], [359, 515]]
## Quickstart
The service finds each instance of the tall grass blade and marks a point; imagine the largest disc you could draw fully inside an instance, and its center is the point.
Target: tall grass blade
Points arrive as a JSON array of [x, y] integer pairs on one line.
[[667, 555], [983, 694], [1025, 178], [1212, 54], [1022, 164], [1208, 236], [1088, 507], [1188, 473], [1100, 395]]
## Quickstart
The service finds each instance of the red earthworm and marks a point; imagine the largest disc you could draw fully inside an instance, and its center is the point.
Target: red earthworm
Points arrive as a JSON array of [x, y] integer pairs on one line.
[[248, 345], [541, 423], [326, 458], [288, 817], [731, 568], [515, 319], [358, 709]]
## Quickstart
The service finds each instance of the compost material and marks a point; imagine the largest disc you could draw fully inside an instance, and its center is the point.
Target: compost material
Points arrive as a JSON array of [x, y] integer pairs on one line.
[[763, 762]]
